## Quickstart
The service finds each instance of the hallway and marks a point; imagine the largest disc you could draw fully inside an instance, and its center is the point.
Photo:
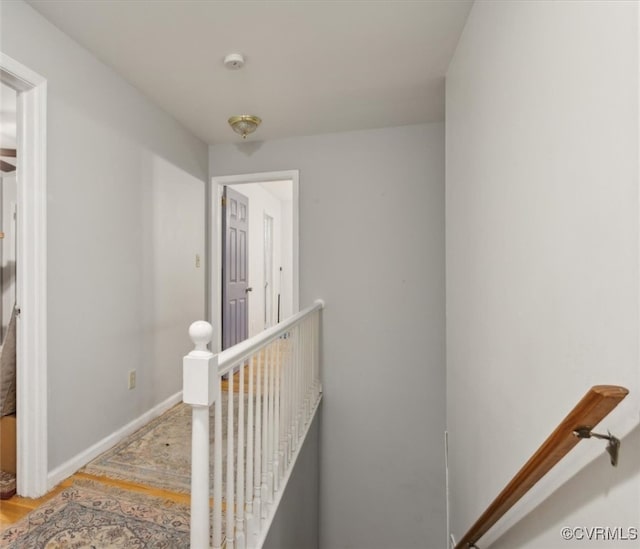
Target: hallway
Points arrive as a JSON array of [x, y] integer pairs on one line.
[[14, 509]]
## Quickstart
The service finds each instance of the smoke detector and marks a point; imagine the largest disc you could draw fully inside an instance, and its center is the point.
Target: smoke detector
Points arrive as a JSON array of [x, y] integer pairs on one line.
[[234, 61]]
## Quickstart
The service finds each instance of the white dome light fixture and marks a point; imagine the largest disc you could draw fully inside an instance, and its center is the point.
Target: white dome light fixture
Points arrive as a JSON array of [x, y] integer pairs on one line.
[[245, 124]]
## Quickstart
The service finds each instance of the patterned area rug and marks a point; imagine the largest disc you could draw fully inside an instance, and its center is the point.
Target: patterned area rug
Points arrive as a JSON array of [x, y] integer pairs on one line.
[[7, 485], [93, 515], [158, 454]]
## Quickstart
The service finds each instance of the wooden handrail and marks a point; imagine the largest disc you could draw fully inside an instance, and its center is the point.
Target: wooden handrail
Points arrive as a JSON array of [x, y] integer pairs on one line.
[[593, 407]]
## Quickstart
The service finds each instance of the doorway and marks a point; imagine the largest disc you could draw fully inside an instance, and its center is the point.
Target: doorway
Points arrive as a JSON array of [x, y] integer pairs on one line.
[[272, 266], [31, 286]]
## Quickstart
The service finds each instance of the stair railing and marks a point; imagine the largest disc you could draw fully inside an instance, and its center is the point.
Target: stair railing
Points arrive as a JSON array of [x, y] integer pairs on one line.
[[599, 401], [272, 387]]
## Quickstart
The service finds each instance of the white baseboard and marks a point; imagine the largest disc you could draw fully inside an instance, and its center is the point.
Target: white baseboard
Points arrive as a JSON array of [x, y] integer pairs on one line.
[[69, 467]]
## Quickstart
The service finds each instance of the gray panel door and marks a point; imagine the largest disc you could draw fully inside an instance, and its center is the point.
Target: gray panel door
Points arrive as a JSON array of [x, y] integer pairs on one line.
[[235, 290]]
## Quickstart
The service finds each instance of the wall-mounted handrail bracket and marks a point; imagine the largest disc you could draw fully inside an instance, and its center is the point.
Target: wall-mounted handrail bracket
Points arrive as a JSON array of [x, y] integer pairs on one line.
[[613, 448]]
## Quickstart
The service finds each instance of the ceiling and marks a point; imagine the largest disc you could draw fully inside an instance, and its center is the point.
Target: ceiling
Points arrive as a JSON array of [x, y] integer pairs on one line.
[[311, 67], [282, 190]]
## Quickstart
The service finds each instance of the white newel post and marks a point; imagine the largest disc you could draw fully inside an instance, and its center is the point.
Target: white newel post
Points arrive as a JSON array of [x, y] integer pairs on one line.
[[200, 387]]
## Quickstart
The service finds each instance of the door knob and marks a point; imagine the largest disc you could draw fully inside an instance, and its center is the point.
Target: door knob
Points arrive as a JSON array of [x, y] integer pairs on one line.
[[249, 289]]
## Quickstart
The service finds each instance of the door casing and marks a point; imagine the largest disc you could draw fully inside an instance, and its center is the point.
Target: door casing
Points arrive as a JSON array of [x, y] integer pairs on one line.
[[31, 279]]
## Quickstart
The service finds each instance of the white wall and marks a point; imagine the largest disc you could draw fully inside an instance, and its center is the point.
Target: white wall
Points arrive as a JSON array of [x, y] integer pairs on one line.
[[542, 251], [295, 524], [372, 245], [125, 221], [598, 496]]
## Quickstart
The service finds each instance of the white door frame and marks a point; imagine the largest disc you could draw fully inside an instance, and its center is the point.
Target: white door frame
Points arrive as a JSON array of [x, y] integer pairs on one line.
[[214, 229], [31, 277]]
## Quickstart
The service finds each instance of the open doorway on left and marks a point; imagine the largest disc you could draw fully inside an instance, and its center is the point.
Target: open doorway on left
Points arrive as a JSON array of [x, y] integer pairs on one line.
[[9, 160]]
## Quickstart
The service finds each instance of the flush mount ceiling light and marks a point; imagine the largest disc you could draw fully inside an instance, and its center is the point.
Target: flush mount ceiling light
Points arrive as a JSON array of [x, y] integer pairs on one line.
[[244, 124]]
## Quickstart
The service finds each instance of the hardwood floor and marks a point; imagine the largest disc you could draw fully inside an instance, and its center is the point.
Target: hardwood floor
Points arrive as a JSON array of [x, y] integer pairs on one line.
[[259, 368], [13, 509]]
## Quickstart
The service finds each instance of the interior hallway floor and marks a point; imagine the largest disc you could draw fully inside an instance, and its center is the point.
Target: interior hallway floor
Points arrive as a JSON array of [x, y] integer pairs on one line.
[[16, 507]]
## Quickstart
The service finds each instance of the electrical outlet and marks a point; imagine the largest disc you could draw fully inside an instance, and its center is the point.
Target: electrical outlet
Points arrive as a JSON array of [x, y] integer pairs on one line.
[[132, 379]]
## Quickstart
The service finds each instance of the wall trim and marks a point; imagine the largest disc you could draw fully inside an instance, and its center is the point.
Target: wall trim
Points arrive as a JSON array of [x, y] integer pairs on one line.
[[31, 279], [214, 227], [69, 467]]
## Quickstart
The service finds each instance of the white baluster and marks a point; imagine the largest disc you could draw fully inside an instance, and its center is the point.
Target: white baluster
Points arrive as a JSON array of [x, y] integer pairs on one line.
[[309, 389], [305, 354], [240, 540], [290, 396], [318, 351], [316, 348], [270, 464], [257, 464], [312, 353], [284, 368], [309, 369], [250, 438], [294, 392], [217, 472], [200, 390], [299, 385], [230, 503], [276, 419], [289, 402], [265, 434]]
